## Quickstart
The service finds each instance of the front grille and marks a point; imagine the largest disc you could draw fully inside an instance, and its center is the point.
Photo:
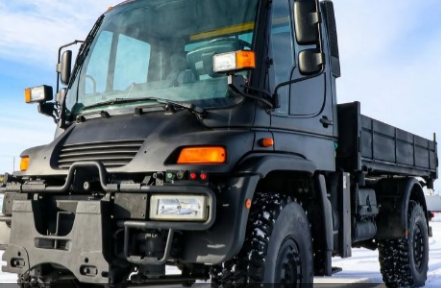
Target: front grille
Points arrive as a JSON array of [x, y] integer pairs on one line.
[[112, 154]]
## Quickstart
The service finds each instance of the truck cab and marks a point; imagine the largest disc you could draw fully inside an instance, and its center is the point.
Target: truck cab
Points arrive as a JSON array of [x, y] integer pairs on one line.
[[206, 134]]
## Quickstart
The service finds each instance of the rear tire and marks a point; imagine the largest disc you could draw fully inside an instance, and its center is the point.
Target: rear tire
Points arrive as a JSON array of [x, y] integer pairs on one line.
[[405, 262], [277, 248]]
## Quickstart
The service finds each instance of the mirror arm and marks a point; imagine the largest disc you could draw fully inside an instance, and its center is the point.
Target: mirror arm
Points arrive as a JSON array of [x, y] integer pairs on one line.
[[290, 82], [59, 59]]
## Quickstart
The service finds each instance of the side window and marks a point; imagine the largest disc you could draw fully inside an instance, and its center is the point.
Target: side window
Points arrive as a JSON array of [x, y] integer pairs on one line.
[[132, 62], [282, 50], [98, 66], [282, 41]]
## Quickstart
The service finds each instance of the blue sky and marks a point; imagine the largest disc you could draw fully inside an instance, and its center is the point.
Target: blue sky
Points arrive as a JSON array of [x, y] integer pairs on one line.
[[390, 57]]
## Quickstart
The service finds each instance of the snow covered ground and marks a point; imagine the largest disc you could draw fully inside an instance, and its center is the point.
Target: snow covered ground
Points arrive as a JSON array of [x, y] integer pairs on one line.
[[361, 267]]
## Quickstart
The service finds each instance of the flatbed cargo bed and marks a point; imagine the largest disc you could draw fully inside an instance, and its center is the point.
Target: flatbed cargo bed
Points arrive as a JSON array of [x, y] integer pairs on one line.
[[374, 147]]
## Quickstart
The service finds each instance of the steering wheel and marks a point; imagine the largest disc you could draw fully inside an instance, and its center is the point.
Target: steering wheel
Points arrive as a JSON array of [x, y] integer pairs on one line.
[[93, 82]]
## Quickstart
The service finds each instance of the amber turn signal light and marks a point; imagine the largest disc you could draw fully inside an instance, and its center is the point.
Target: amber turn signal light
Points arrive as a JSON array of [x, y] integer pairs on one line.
[[202, 155], [267, 142], [245, 59], [24, 163]]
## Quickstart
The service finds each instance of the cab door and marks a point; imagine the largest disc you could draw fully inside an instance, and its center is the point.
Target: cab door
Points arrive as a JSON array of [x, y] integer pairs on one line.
[[305, 119]]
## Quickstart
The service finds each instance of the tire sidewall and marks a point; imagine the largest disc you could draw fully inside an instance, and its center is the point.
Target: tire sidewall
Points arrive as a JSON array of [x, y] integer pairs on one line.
[[292, 222], [417, 217]]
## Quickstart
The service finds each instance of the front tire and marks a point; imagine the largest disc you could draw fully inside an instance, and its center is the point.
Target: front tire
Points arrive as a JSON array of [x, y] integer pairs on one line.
[[277, 248]]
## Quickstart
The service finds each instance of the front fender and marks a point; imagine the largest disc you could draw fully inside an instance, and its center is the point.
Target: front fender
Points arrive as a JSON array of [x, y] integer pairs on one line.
[[225, 239], [263, 163]]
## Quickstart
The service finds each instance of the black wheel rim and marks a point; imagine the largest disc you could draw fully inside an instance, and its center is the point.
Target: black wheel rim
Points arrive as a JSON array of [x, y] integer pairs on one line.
[[418, 247], [289, 269]]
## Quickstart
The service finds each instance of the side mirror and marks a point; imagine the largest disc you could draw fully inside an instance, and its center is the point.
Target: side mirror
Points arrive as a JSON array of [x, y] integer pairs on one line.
[[64, 67], [307, 21], [310, 61]]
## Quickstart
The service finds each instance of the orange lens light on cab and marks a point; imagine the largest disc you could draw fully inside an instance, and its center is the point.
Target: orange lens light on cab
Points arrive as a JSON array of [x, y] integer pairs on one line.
[[202, 155], [28, 94], [24, 163], [245, 59]]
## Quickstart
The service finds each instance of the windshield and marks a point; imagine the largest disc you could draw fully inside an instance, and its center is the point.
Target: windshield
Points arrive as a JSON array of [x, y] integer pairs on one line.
[[164, 49]]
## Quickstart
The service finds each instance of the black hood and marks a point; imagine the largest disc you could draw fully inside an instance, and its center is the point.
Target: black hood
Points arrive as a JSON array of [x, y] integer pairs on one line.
[[135, 144]]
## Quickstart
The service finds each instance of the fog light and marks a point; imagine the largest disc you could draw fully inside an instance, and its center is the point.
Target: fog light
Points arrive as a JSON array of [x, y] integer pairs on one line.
[[178, 208]]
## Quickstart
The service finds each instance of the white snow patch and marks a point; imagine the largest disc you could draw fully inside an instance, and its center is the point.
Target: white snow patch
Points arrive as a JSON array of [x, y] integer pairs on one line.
[[362, 267]]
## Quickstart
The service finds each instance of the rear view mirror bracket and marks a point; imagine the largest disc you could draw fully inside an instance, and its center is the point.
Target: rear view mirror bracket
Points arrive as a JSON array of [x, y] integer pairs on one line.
[[239, 85], [48, 109]]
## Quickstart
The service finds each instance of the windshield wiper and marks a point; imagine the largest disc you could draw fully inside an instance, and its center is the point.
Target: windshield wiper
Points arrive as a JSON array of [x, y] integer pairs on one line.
[[198, 111], [84, 49]]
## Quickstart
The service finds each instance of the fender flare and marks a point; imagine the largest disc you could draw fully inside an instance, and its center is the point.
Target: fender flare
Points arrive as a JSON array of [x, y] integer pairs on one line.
[[394, 195], [413, 188], [263, 163], [250, 170]]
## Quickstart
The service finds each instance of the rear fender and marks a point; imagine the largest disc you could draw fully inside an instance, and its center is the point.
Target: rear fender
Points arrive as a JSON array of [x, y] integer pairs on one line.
[[394, 196]]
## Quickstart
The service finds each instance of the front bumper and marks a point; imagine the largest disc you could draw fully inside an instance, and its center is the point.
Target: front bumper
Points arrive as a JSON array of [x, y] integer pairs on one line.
[[88, 249], [82, 251]]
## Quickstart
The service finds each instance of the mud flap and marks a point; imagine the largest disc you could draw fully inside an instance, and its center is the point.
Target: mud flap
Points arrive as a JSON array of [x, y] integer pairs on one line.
[[81, 251]]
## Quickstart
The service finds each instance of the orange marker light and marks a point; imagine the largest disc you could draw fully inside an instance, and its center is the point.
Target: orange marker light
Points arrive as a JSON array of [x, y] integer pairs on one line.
[[199, 155], [248, 203], [24, 163], [245, 59], [28, 95], [267, 142]]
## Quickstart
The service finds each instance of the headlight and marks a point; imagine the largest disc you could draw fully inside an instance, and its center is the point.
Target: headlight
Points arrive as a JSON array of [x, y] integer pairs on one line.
[[2, 198], [178, 207]]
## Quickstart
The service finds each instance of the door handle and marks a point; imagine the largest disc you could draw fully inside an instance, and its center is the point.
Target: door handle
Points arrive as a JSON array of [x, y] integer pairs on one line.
[[326, 122]]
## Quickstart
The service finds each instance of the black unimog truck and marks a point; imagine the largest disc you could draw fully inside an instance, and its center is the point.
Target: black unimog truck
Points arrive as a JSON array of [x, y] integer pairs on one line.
[[206, 134]]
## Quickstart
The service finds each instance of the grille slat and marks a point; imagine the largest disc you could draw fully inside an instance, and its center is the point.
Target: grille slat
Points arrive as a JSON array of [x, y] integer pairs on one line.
[[72, 148], [86, 153], [111, 154]]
